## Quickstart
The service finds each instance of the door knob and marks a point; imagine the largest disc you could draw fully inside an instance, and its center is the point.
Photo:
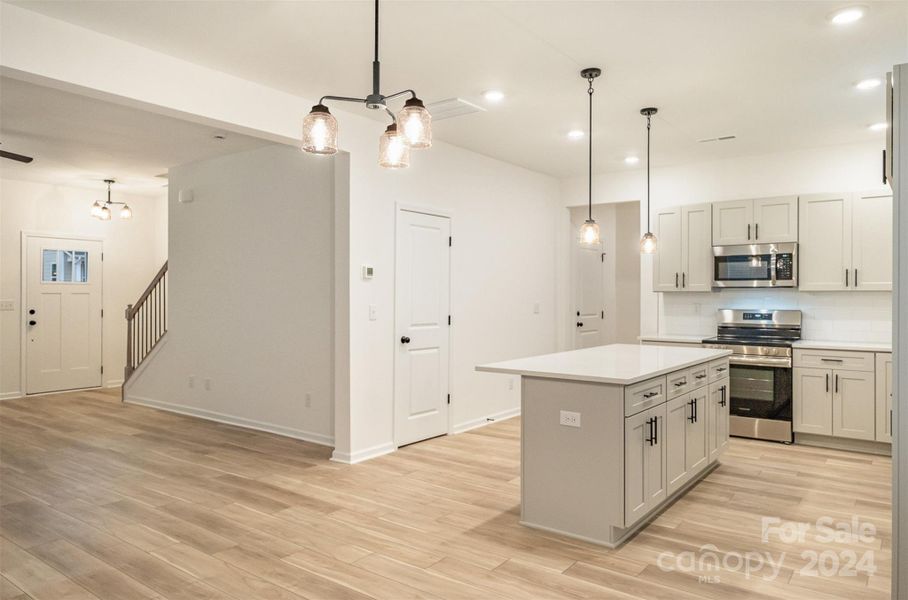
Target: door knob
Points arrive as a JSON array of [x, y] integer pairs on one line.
[[404, 340], [32, 323], [31, 311], [579, 324]]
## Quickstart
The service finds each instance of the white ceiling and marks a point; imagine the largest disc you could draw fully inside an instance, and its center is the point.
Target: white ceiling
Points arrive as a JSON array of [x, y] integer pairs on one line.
[[80, 141], [777, 75]]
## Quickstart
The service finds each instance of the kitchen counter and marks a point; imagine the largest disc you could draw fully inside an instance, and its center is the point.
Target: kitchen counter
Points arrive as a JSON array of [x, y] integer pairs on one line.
[[619, 364], [673, 339], [833, 345], [609, 435]]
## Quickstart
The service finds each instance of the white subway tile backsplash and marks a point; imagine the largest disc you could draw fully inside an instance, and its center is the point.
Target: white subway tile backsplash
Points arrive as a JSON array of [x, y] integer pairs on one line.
[[854, 316]]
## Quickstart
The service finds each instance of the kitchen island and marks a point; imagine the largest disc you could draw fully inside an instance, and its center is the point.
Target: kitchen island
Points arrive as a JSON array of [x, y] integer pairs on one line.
[[610, 434]]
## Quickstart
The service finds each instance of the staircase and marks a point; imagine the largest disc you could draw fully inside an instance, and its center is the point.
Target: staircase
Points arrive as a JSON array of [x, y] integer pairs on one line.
[[146, 323]]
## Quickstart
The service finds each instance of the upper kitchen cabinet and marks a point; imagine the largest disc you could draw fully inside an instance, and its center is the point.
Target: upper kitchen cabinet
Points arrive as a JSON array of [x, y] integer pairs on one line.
[[683, 262], [761, 221], [846, 242]]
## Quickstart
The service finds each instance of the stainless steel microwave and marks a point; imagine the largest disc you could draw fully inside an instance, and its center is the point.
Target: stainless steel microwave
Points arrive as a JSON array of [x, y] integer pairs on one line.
[[755, 265]]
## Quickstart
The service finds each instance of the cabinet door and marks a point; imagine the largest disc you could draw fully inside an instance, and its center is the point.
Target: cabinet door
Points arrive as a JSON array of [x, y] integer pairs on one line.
[[732, 222], [871, 251], [696, 248], [854, 405], [667, 260], [717, 421], [676, 417], [824, 242], [812, 401], [884, 397], [776, 220], [644, 463], [696, 442]]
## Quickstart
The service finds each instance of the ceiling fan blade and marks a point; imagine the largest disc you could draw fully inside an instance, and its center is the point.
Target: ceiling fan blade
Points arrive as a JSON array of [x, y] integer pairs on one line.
[[14, 156]]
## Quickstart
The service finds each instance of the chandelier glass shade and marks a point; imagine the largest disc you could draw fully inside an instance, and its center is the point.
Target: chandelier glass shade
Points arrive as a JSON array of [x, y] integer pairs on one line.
[[320, 131], [393, 149]]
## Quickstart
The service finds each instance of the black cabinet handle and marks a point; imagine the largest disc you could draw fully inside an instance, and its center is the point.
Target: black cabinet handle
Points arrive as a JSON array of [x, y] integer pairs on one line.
[[722, 401], [656, 429], [748, 231], [404, 340], [827, 382], [649, 424], [676, 280], [650, 395], [836, 383], [757, 231], [683, 279], [846, 277], [855, 278]]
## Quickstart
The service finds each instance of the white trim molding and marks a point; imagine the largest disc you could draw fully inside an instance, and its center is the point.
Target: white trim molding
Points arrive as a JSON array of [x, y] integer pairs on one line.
[[488, 420], [11, 395], [363, 455], [209, 415]]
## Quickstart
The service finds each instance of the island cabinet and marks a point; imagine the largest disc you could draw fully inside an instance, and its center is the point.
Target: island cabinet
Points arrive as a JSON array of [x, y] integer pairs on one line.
[[610, 434]]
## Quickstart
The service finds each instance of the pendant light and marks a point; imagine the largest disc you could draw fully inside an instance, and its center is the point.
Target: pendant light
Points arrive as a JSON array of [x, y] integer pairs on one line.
[[648, 243], [410, 128], [589, 231], [103, 212]]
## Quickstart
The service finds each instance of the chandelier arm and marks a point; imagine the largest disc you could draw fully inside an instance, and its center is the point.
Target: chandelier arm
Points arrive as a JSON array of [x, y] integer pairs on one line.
[[341, 99], [401, 93], [392, 115]]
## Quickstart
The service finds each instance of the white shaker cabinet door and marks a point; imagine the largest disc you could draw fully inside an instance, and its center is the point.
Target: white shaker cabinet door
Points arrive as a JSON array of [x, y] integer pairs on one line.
[[871, 228], [825, 242], [853, 405], [884, 397], [644, 463], [776, 220], [676, 418], [667, 259], [812, 401], [696, 248]]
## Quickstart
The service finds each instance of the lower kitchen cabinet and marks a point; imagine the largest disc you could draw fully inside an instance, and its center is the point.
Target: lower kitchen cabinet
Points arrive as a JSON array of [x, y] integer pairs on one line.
[[686, 438], [853, 405], [644, 463], [717, 421], [884, 397], [812, 401]]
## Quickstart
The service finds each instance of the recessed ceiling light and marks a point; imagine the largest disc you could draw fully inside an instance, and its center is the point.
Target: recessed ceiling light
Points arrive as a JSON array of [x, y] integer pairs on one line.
[[576, 134], [847, 15], [631, 160], [493, 95], [868, 84], [879, 127]]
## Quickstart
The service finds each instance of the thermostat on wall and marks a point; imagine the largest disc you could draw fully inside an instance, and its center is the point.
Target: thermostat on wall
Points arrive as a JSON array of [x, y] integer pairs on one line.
[[368, 272]]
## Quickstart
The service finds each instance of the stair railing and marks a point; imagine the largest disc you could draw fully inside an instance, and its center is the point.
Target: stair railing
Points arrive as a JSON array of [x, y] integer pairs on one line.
[[146, 322]]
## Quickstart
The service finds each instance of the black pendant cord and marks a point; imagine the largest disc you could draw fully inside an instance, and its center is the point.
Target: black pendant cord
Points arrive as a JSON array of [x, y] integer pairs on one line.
[[647, 174], [590, 174], [376, 67]]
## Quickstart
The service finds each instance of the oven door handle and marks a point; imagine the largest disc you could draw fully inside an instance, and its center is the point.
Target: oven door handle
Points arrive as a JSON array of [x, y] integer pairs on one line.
[[760, 361], [772, 266]]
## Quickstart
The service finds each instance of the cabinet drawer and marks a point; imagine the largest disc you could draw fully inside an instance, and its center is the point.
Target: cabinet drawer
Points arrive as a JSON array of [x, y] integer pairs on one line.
[[679, 383], [718, 369], [834, 359], [643, 395], [699, 376]]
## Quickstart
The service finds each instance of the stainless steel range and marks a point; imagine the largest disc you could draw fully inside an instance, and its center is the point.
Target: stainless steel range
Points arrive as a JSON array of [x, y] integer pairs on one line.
[[761, 382]]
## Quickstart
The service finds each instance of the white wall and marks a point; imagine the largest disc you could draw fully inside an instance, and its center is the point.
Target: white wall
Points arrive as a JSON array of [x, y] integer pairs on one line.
[[627, 272], [251, 294], [133, 251], [828, 169]]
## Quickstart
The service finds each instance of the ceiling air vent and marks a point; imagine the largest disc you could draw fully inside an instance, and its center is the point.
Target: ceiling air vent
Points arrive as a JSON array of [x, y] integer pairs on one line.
[[721, 138], [452, 107]]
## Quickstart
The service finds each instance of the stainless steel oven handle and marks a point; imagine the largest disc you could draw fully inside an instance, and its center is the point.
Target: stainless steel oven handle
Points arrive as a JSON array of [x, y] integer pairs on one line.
[[760, 361], [772, 266]]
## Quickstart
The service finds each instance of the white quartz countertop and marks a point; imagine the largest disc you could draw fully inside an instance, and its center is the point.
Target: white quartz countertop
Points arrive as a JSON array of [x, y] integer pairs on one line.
[[833, 345], [619, 364], [675, 339]]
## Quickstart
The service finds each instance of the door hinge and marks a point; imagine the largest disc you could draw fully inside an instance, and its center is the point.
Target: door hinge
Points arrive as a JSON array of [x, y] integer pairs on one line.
[[450, 241], [102, 313], [449, 398], [449, 319], [602, 257], [602, 314], [102, 257]]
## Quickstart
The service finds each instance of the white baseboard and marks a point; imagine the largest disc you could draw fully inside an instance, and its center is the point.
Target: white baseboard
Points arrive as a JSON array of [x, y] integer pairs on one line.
[[306, 436], [113, 383], [10, 395], [361, 455], [488, 420]]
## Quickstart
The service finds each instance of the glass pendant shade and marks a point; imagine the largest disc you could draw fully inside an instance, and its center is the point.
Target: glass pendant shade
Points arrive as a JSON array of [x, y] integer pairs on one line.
[[589, 233], [648, 243], [393, 149], [415, 123], [125, 212], [320, 131], [105, 214], [96, 210]]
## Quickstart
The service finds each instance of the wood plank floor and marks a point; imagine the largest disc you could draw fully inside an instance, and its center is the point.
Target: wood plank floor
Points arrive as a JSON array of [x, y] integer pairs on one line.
[[104, 500]]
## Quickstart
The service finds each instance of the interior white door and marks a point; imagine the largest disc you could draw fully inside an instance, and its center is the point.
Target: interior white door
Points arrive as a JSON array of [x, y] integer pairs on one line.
[[422, 326], [871, 227], [589, 296], [62, 314]]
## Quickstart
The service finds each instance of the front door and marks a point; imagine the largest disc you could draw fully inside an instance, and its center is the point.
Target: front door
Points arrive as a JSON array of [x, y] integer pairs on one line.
[[62, 314], [422, 332]]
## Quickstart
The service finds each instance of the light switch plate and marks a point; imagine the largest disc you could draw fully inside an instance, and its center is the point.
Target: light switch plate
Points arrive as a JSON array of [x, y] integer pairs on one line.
[[373, 312], [570, 419], [7, 305]]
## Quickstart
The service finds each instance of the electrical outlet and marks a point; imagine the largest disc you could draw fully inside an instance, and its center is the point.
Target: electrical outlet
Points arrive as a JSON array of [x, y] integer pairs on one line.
[[208, 384], [192, 381], [536, 308], [308, 400], [570, 419]]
